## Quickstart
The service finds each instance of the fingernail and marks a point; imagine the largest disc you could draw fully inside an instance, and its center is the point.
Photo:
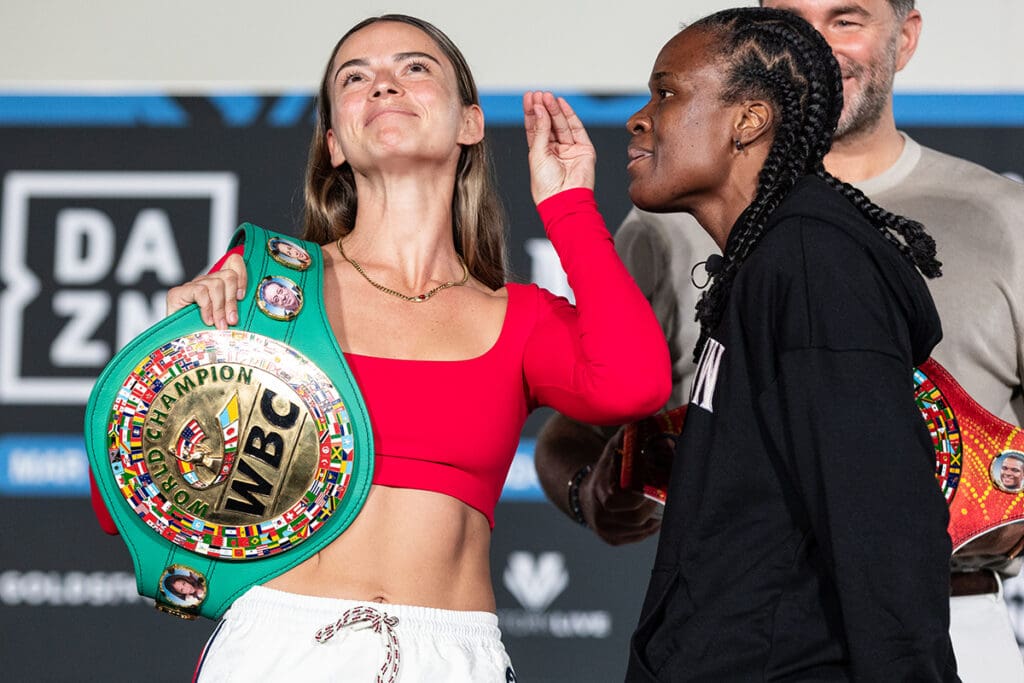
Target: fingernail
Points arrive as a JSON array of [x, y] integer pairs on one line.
[[232, 318]]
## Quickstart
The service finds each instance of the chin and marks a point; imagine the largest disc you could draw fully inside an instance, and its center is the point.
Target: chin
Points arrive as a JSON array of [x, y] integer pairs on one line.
[[637, 196], [645, 202]]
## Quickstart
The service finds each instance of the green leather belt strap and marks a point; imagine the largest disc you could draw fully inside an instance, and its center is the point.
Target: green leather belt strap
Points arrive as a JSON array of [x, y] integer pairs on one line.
[[228, 457]]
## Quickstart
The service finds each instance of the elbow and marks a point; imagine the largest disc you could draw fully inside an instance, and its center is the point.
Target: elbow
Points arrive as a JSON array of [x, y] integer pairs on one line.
[[656, 388], [662, 391], [651, 396], [641, 394]]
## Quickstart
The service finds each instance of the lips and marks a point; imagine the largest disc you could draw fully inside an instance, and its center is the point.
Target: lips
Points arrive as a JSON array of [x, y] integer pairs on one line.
[[388, 110], [635, 154]]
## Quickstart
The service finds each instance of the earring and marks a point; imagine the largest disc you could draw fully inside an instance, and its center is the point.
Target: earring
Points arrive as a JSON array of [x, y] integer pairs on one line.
[[739, 146]]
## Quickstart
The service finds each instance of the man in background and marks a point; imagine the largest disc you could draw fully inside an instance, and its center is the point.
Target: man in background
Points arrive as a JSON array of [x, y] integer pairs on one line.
[[974, 216]]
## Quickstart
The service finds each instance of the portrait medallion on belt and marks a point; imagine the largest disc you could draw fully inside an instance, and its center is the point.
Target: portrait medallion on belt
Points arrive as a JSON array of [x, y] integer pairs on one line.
[[181, 591], [279, 298], [288, 253]]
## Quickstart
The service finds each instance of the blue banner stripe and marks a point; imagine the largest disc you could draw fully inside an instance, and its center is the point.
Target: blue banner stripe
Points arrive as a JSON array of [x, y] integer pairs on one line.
[[287, 110], [959, 110], [84, 110], [917, 109], [238, 110]]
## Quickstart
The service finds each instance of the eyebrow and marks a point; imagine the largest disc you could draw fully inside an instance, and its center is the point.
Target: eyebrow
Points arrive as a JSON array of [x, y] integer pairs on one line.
[[397, 57], [658, 77], [850, 9]]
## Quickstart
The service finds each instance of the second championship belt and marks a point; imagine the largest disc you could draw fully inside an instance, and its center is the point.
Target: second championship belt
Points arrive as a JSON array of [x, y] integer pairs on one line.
[[227, 457], [979, 463]]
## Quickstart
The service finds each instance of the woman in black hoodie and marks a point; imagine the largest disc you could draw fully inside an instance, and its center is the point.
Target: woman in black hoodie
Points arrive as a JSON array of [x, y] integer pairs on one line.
[[804, 536]]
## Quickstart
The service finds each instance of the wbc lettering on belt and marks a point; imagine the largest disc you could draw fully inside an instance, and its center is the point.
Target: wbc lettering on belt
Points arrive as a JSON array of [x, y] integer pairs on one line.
[[220, 440]]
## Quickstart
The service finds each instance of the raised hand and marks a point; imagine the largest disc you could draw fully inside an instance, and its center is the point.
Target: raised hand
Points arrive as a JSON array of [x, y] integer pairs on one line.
[[217, 293], [561, 154]]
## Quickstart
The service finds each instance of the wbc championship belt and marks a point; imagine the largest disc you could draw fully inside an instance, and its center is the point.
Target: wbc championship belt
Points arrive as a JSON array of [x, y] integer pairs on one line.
[[979, 462], [226, 457]]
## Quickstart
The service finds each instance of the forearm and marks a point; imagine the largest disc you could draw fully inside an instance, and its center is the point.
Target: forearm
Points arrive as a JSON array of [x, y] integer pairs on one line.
[[563, 447], [604, 361]]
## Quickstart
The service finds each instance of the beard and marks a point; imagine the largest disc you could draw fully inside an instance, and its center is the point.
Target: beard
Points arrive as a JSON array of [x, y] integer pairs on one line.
[[863, 109]]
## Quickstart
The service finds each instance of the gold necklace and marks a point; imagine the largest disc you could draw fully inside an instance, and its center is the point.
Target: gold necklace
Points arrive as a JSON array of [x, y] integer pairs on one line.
[[415, 299]]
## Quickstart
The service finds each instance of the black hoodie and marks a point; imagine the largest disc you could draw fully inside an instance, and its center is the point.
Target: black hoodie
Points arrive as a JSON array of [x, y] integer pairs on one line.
[[805, 534]]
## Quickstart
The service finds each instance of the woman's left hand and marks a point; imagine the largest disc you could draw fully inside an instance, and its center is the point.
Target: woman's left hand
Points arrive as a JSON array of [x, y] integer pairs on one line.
[[561, 154]]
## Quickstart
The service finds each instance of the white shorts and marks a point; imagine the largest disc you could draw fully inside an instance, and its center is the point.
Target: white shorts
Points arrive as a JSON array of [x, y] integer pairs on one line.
[[269, 635], [983, 640]]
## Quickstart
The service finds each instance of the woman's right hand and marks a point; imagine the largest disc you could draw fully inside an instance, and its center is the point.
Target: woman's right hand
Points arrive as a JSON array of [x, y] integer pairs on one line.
[[217, 293], [561, 154]]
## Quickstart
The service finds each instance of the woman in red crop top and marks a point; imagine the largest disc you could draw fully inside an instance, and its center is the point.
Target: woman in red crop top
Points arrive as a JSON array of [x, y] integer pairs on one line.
[[448, 379]]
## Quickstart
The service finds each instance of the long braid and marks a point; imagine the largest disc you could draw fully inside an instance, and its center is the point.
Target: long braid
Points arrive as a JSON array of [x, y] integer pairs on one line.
[[778, 56]]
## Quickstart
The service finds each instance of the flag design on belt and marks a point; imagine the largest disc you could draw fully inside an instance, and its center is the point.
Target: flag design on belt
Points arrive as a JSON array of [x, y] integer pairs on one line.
[[189, 439], [187, 450], [229, 427]]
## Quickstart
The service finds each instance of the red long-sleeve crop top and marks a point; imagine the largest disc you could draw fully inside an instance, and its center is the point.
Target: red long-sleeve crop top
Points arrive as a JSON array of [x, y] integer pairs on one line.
[[453, 426]]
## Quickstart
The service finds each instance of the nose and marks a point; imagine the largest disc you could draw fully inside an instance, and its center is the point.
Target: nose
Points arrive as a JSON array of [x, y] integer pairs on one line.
[[639, 122], [385, 84]]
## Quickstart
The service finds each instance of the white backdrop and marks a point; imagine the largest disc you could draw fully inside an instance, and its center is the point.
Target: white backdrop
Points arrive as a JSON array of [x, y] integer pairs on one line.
[[598, 46]]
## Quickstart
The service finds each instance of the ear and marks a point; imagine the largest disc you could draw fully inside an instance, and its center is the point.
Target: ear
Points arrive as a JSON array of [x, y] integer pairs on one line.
[[753, 120], [910, 32], [472, 130], [334, 147]]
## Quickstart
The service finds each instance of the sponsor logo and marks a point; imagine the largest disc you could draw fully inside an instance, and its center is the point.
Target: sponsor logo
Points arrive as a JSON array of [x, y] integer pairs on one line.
[[68, 589], [86, 259], [536, 581]]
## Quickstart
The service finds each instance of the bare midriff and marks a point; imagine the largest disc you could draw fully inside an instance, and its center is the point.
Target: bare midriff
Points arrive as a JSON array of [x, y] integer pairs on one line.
[[407, 547]]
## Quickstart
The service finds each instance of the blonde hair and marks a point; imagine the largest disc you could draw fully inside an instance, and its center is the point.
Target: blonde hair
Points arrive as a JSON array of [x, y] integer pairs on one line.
[[478, 221]]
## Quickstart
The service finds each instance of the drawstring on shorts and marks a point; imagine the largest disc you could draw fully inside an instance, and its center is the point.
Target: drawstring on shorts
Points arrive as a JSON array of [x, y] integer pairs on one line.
[[358, 618]]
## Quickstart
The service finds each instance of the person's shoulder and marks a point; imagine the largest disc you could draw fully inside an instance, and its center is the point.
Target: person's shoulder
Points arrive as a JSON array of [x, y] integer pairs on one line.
[[529, 301], [816, 224], [965, 175], [963, 203], [815, 209]]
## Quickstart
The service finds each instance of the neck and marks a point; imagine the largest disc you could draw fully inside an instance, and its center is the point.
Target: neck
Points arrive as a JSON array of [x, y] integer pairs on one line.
[[403, 230], [719, 213], [864, 155]]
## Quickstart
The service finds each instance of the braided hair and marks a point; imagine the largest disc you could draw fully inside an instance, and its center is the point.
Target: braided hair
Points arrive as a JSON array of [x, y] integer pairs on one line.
[[777, 56]]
